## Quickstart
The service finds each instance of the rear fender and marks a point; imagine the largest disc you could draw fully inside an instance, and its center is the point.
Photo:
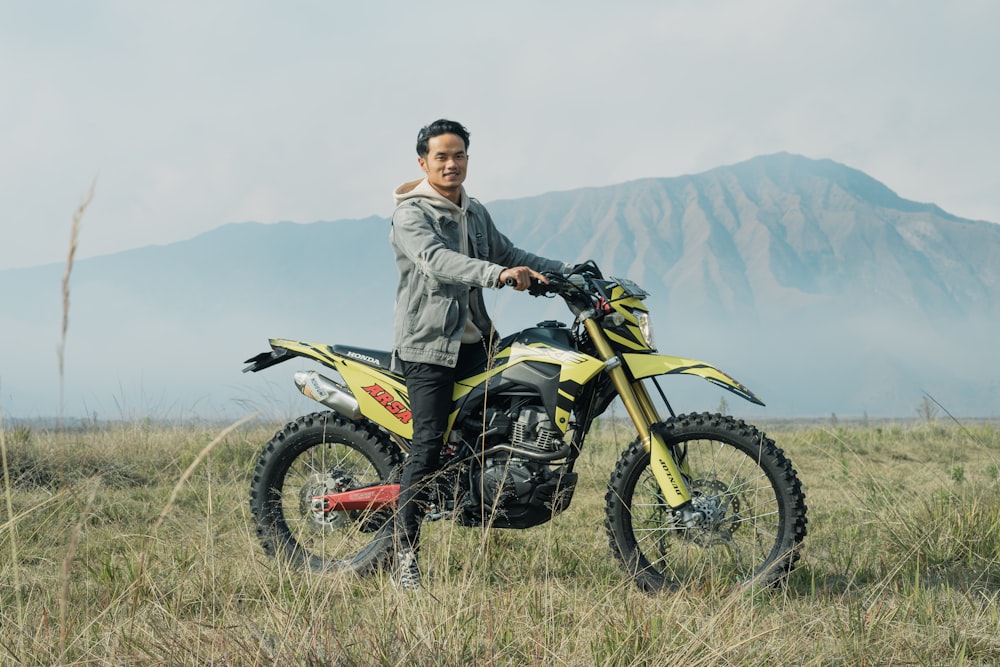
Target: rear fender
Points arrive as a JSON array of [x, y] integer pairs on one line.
[[282, 350], [381, 396], [648, 365]]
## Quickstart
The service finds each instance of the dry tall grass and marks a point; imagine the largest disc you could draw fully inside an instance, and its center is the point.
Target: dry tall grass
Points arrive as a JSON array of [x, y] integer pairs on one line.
[[132, 544], [74, 235]]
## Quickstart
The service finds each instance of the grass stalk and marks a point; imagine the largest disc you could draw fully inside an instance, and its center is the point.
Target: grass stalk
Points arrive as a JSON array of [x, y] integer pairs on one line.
[[73, 236], [206, 450], [74, 542], [8, 498]]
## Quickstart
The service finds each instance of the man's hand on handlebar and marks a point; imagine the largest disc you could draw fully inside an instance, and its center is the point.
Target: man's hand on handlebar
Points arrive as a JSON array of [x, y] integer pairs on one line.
[[520, 277]]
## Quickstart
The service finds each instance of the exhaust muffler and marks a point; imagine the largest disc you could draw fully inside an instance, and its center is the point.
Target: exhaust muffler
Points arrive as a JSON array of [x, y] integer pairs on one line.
[[331, 394]]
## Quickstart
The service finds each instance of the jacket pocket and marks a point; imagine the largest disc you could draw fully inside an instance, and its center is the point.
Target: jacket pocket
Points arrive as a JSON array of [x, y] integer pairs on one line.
[[482, 244], [432, 316], [413, 309]]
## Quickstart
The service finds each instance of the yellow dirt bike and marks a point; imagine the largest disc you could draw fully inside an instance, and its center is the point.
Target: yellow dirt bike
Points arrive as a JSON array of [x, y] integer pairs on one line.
[[694, 497]]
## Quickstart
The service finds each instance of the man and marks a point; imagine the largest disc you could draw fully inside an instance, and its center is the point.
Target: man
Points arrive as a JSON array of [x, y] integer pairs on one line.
[[447, 251]]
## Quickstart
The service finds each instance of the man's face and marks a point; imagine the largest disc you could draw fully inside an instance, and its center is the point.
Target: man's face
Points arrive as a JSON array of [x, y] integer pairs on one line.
[[445, 164]]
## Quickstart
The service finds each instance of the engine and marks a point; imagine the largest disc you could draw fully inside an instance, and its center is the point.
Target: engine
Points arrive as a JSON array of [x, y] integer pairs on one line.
[[511, 490], [533, 429]]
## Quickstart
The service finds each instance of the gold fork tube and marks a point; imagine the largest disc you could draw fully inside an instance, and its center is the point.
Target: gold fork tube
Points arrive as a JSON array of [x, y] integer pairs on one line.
[[645, 402], [640, 409]]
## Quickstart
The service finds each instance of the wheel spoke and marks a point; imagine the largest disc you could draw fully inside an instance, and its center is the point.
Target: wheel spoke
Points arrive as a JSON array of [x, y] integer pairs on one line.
[[735, 524], [315, 456]]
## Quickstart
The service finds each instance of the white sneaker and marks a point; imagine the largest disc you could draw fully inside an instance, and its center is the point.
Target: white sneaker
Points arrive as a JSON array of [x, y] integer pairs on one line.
[[406, 573]]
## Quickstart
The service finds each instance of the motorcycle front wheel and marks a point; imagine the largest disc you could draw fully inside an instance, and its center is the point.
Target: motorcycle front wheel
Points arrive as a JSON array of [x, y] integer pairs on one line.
[[318, 454], [749, 504]]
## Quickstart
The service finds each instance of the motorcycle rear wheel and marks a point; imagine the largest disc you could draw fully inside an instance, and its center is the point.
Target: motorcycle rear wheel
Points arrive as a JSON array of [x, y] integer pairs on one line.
[[749, 496], [317, 454]]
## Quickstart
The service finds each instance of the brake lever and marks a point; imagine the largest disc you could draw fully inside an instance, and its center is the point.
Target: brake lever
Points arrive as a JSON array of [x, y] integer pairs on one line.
[[538, 288]]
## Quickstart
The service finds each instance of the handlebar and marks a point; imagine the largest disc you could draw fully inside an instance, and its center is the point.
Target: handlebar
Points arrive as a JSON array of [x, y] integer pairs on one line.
[[560, 283], [536, 288]]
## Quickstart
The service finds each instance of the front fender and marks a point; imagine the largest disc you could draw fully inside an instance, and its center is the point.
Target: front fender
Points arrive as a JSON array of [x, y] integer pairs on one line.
[[647, 365]]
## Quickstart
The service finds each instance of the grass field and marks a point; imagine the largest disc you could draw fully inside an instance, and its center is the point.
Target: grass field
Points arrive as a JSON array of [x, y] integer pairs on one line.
[[132, 544]]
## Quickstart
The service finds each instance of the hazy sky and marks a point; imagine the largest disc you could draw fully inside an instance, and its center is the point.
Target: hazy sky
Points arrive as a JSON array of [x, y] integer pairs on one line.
[[191, 115]]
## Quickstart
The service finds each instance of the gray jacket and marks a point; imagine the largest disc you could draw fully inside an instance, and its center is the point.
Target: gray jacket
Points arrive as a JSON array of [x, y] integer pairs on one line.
[[439, 286]]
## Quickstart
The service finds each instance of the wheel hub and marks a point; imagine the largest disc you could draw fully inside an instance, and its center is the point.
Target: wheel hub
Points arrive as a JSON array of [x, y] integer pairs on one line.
[[716, 510], [310, 505]]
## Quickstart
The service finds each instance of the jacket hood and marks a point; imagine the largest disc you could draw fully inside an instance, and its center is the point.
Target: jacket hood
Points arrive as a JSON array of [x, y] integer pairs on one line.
[[421, 189]]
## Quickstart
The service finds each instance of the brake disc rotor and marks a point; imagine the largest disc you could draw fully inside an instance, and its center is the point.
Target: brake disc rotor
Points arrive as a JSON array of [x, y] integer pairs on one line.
[[720, 510]]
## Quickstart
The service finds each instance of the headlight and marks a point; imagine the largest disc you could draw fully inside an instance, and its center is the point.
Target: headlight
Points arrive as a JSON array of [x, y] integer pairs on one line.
[[646, 328]]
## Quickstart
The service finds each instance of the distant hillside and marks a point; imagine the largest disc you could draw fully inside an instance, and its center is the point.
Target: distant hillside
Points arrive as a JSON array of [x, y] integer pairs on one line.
[[772, 235], [811, 282]]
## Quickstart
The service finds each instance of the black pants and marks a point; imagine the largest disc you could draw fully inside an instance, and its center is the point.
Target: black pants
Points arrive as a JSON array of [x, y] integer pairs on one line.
[[429, 387]]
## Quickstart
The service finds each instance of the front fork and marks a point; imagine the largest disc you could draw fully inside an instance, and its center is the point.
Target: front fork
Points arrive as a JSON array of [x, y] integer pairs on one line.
[[643, 413]]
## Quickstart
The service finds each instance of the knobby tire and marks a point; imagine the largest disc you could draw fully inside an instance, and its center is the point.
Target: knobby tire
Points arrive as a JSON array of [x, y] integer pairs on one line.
[[745, 484], [311, 456]]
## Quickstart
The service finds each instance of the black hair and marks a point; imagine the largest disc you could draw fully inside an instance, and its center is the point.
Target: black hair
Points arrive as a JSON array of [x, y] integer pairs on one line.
[[437, 128]]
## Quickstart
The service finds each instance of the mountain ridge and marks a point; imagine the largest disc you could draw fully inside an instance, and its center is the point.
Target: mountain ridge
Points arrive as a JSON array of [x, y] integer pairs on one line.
[[780, 269]]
